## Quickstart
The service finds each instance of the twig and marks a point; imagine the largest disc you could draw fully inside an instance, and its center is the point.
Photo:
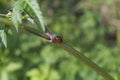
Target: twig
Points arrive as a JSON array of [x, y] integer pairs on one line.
[[86, 60], [74, 52]]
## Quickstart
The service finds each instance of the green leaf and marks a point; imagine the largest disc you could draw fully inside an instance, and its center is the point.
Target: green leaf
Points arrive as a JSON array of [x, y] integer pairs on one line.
[[3, 37], [16, 16], [33, 10]]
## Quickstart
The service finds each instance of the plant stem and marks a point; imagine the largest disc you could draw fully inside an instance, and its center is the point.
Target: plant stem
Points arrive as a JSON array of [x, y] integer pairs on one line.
[[87, 61], [5, 21], [71, 50], [25, 27], [36, 32]]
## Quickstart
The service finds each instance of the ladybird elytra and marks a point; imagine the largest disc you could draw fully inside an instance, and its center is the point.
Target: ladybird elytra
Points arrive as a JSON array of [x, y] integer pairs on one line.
[[58, 39]]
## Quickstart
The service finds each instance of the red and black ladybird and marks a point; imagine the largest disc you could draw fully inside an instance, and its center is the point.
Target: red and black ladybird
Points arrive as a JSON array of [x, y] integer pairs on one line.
[[53, 38], [58, 39]]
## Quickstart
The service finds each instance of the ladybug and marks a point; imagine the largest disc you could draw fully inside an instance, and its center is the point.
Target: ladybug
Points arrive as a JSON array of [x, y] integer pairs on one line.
[[53, 38], [58, 39]]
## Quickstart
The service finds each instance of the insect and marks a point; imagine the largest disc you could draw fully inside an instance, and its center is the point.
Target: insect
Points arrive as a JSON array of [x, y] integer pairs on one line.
[[54, 38], [58, 39]]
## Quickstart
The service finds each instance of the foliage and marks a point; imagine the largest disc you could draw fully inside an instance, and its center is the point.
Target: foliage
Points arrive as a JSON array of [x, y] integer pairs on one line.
[[28, 57], [28, 6], [3, 37]]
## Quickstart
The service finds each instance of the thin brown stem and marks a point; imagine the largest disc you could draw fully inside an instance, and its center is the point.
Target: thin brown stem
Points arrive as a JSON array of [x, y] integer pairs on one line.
[[71, 50], [87, 61], [36, 32]]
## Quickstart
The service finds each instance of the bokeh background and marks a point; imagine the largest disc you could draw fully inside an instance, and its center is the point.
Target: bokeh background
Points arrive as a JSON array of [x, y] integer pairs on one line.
[[90, 26]]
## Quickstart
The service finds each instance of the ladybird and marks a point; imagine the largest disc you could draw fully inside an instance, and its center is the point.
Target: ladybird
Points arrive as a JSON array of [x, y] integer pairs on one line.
[[58, 39], [53, 38]]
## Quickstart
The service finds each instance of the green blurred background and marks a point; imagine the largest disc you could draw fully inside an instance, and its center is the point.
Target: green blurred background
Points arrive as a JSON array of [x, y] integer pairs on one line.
[[90, 26]]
